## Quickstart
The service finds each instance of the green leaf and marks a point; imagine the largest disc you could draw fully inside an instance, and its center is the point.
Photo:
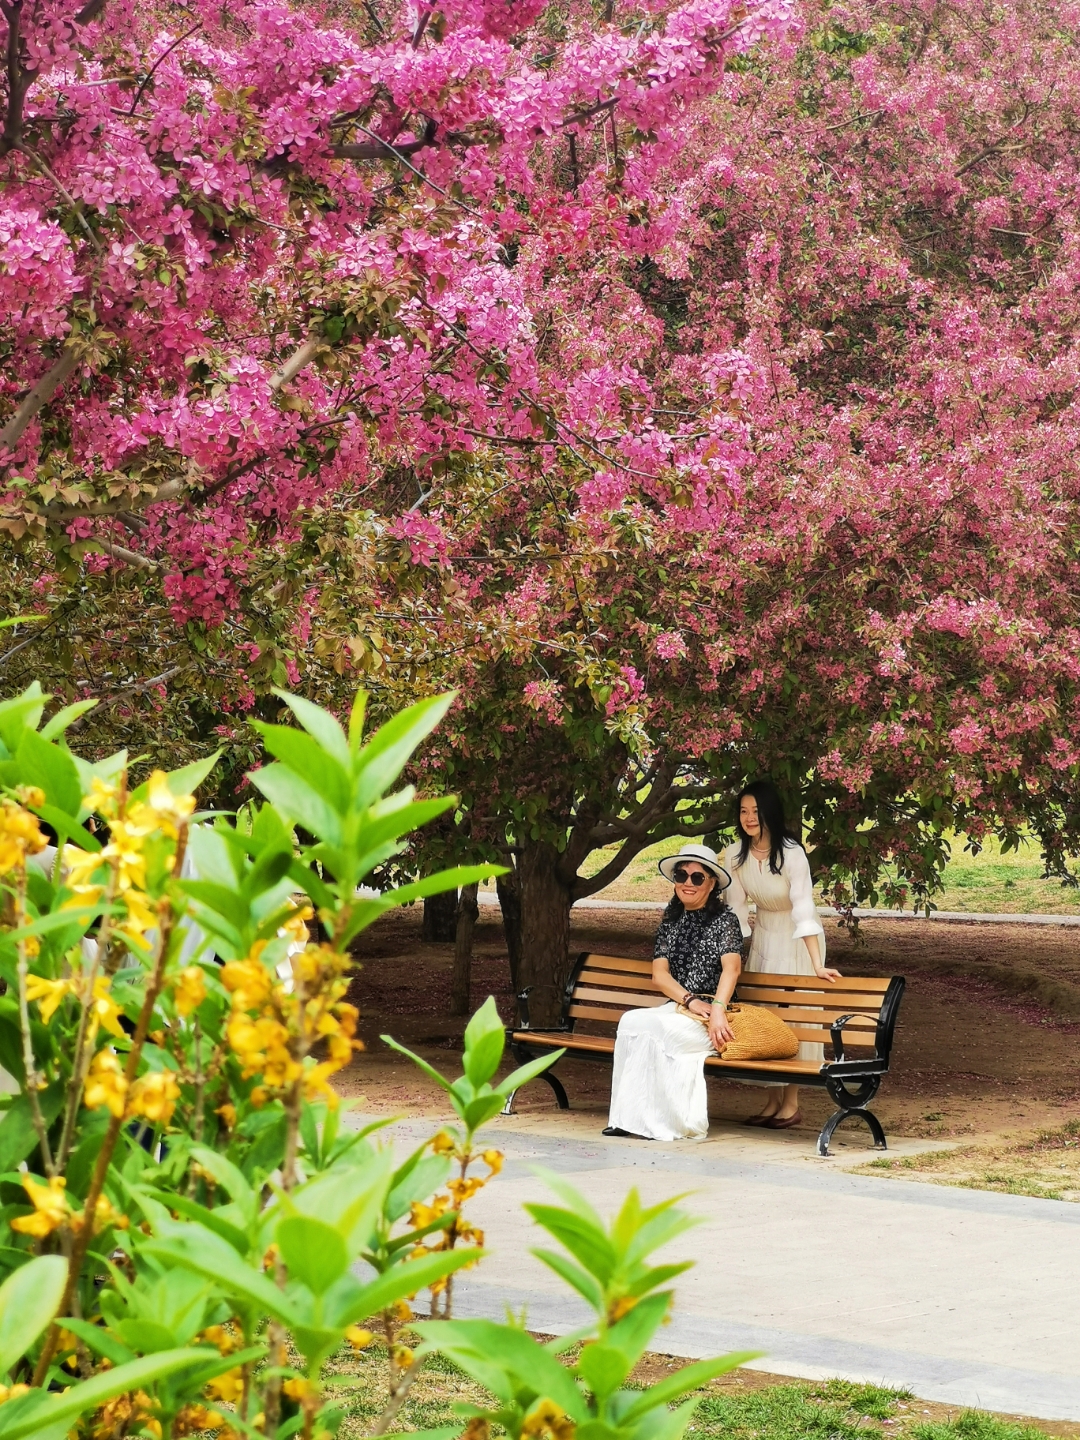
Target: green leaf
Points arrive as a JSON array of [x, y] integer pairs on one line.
[[298, 800], [197, 1248], [20, 713], [320, 724], [485, 1037], [406, 1279], [55, 726], [29, 1299], [582, 1282], [43, 763], [307, 758], [691, 1377], [529, 1071], [387, 753], [232, 1234], [603, 1368], [428, 1070], [476, 1345], [586, 1242], [184, 781], [17, 1134], [31, 1414], [314, 1253], [100, 1341]]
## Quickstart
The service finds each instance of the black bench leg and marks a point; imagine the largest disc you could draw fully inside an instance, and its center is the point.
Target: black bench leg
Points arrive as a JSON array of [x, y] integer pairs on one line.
[[556, 1085], [837, 1119]]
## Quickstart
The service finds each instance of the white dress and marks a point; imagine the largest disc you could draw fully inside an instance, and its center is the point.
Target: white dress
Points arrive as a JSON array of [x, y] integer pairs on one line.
[[658, 1076], [786, 915]]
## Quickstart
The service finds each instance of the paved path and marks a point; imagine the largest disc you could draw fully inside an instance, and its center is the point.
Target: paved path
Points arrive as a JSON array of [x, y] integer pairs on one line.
[[966, 1297], [597, 902]]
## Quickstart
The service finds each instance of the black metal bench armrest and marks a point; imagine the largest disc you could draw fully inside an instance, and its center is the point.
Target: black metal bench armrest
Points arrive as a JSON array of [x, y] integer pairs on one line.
[[836, 1029], [872, 1065]]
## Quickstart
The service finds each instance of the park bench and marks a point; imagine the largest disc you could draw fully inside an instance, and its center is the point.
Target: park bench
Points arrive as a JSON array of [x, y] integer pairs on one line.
[[854, 1017]]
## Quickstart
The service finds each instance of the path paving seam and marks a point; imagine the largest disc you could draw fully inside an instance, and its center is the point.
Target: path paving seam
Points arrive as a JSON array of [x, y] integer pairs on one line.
[[957, 917]]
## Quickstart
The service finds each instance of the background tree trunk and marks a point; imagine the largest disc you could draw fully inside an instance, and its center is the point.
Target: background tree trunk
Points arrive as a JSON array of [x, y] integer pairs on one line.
[[440, 918], [545, 931], [461, 980], [506, 887]]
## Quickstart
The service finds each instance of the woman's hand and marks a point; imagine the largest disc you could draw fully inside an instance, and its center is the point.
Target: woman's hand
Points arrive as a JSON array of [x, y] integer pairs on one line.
[[720, 1032], [699, 1007], [824, 973]]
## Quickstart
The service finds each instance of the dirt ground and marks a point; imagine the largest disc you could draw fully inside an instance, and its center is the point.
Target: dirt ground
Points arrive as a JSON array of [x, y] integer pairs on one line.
[[987, 1041]]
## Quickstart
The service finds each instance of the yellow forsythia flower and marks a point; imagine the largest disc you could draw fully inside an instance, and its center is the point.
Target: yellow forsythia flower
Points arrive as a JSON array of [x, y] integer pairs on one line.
[[359, 1339], [105, 1084], [169, 810], [547, 1417], [20, 836], [443, 1143], [248, 981], [154, 1096], [104, 1009], [12, 1392], [48, 994], [228, 1387], [190, 990], [493, 1159], [51, 1207], [298, 1389]]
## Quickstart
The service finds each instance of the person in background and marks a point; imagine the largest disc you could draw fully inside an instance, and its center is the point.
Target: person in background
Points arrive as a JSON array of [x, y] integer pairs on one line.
[[769, 867], [658, 1078]]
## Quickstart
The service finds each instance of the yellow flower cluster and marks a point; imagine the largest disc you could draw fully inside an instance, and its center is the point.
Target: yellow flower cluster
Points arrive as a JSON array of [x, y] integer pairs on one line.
[[190, 991], [130, 825], [52, 1208], [460, 1189], [103, 1008], [131, 1414], [20, 833], [548, 1419], [152, 1096], [273, 1023]]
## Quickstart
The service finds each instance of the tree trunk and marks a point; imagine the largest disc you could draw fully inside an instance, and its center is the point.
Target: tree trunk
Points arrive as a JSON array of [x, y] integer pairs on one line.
[[506, 887], [468, 912], [440, 918], [545, 929]]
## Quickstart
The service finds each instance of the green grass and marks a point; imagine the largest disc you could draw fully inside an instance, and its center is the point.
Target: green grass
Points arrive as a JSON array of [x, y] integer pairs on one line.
[[990, 882], [975, 1425], [795, 1410]]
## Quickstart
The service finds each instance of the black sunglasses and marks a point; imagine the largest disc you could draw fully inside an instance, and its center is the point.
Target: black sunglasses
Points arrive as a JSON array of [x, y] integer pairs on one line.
[[687, 877]]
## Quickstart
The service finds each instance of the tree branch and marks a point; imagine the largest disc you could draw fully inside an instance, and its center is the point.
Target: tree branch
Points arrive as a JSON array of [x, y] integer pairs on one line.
[[40, 395]]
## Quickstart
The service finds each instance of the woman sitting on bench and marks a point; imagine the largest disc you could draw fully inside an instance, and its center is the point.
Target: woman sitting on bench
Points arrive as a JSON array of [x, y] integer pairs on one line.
[[658, 1082]]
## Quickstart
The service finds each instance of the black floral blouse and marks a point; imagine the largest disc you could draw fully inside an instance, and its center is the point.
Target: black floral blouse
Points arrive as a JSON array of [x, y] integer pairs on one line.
[[693, 942]]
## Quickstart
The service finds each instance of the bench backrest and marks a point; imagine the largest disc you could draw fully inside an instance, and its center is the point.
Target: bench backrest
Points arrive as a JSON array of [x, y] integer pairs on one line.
[[603, 987]]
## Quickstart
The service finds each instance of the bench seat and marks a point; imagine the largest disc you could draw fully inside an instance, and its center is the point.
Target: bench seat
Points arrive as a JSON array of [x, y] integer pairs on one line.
[[854, 1018]]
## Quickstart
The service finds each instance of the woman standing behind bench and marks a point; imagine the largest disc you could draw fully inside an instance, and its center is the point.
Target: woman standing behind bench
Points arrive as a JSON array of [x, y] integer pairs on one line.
[[769, 867], [658, 1079]]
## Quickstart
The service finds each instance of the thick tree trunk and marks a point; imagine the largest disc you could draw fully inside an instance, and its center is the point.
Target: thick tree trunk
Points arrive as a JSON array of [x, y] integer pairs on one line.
[[461, 980], [506, 887], [440, 918], [545, 928]]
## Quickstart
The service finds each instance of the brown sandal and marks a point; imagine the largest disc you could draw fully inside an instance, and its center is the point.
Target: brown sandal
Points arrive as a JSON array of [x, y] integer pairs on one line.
[[775, 1123]]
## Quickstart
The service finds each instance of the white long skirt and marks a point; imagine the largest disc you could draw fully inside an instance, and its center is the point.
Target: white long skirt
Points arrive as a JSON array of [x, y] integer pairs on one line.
[[658, 1079]]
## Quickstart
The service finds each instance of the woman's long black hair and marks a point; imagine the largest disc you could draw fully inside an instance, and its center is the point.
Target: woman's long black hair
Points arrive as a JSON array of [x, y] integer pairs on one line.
[[770, 809]]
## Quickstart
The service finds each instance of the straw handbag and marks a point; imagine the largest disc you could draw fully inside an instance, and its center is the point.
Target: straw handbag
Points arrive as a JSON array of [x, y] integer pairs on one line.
[[760, 1034]]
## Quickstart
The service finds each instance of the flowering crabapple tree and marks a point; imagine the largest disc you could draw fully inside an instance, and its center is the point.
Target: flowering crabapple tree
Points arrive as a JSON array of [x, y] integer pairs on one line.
[[257, 257], [876, 317]]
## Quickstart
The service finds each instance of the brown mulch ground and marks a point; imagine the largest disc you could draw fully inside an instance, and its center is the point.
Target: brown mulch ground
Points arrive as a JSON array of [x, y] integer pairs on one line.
[[986, 1043]]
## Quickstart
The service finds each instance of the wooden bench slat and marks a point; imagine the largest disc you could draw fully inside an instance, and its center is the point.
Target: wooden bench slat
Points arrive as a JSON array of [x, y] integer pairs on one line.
[[643, 998], [818, 999], [609, 977], [791, 1016], [594, 1012], [612, 962], [811, 982]]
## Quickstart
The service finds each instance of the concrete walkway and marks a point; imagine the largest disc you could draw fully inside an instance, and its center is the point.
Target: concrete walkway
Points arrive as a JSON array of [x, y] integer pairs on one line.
[[965, 1297]]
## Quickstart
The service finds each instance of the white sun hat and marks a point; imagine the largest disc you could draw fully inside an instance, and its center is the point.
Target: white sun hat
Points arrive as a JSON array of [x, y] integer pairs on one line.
[[701, 855]]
